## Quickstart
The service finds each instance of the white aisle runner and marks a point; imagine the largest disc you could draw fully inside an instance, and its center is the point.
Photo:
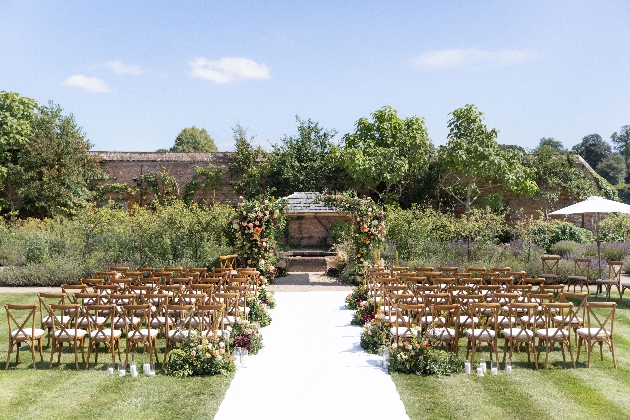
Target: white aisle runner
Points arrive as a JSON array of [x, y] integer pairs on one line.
[[312, 367]]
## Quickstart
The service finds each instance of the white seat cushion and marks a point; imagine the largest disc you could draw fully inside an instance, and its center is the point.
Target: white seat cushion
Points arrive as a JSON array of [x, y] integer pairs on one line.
[[518, 334], [466, 321], [70, 333], [576, 320], [593, 333], [29, 332], [400, 332], [142, 333], [442, 333], [480, 333], [106, 332], [554, 333]]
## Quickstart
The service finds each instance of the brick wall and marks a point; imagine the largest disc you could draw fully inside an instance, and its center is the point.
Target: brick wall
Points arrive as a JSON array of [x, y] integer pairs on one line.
[[307, 230]]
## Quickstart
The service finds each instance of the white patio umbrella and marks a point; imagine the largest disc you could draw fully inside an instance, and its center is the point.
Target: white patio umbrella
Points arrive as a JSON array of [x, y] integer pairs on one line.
[[595, 205]]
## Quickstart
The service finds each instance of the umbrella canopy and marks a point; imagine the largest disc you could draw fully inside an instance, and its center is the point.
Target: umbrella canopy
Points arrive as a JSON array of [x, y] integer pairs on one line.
[[595, 205]]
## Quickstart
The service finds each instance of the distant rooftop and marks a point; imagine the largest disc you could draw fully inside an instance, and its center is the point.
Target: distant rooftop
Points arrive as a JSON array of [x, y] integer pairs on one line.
[[302, 202]]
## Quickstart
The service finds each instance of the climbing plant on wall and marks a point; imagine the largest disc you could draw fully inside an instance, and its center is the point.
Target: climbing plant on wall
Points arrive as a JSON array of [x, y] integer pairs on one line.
[[368, 225], [252, 232]]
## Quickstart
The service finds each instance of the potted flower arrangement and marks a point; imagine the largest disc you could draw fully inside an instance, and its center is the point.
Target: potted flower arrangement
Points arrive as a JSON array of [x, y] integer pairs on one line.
[[245, 334], [200, 356], [359, 294], [258, 313], [376, 334], [420, 356], [266, 297], [365, 313]]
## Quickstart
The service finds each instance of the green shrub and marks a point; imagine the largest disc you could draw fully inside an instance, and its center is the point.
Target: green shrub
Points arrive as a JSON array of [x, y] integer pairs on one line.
[[564, 248], [548, 232]]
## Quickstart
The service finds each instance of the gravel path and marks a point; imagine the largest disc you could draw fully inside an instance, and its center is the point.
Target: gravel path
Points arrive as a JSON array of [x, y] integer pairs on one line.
[[308, 282]]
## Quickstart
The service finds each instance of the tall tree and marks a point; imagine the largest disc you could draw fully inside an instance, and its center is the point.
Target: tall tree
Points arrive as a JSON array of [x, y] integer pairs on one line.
[[551, 142], [593, 149], [16, 118], [622, 146], [247, 166], [192, 139], [473, 162], [53, 172], [387, 153], [300, 162], [613, 168]]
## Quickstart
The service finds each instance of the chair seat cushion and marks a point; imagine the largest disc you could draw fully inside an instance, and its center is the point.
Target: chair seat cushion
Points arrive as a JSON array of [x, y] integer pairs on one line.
[[47, 321], [554, 333], [480, 334], [178, 334], [29, 333], [401, 332], [70, 334], [429, 319], [160, 321], [504, 321], [593, 333], [518, 334], [575, 320], [442, 333], [141, 334], [83, 321], [105, 333], [539, 320], [119, 322], [467, 321]]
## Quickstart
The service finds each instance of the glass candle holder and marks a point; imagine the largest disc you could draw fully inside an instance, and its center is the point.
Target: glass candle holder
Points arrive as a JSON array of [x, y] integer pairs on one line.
[[494, 368], [122, 369], [151, 369], [467, 367], [508, 367], [110, 368]]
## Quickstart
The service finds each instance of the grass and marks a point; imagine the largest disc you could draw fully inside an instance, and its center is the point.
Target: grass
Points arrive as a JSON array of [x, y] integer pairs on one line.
[[559, 392], [63, 392]]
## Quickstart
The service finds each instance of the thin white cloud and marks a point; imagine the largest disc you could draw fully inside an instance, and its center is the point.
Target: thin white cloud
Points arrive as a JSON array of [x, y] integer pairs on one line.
[[446, 59], [91, 84], [228, 69], [119, 67]]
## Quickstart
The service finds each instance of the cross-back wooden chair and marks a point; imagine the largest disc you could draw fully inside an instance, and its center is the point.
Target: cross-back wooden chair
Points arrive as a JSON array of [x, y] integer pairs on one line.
[[535, 282], [444, 282], [466, 315], [21, 320], [504, 299], [140, 332], [119, 301], [159, 315], [522, 289], [207, 319], [201, 270], [228, 261], [430, 275], [105, 275], [579, 312], [146, 271], [102, 332], [581, 274], [599, 329], [539, 318], [393, 291], [179, 330], [484, 329], [615, 268], [90, 283], [406, 319], [66, 332], [477, 271], [175, 270], [123, 284], [448, 271], [229, 301], [461, 278], [242, 299], [134, 276], [504, 281], [550, 264], [503, 271], [421, 270], [518, 276], [122, 269], [520, 332], [46, 299], [445, 326], [556, 332], [71, 289]]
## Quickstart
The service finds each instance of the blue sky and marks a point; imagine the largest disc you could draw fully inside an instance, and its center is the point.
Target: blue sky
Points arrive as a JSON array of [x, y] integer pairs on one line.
[[134, 74]]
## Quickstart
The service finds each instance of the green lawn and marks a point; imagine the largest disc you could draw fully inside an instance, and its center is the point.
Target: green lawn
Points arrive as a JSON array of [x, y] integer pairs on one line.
[[63, 392], [559, 392]]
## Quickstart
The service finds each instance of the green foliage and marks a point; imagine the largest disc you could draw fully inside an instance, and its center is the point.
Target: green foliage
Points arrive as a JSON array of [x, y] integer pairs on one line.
[[266, 297], [564, 248], [205, 179], [593, 149], [245, 335], [252, 232], [613, 168], [387, 153], [472, 161], [50, 252], [421, 357], [51, 174], [258, 313], [376, 334], [365, 312], [192, 139], [615, 227], [359, 294], [368, 226], [16, 117], [545, 233], [300, 163], [199, 356], [552, 143], [246, 169]]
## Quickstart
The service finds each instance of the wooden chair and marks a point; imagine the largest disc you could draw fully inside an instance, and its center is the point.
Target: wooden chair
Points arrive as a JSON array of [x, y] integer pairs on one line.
[[556, 332], [122, 269], [99, 334], [615, 269], [539, 318], [484, 329], [448, 271], [581, 274], [446, 326], [518, 276], [537, 282], [228, 261], [579, 313], [599, 329], [207, 319], [503, 271], [65, 332], [476, 271], [201, 270], [466, 316], [105, 275], [146, 271], [406, 320], [554, 289], [520, 332], [175, 270], [159, 315], [229, 302], [90, 283], [136, 334], [21, 319], [550, 265], [179, 330], [46, 299]]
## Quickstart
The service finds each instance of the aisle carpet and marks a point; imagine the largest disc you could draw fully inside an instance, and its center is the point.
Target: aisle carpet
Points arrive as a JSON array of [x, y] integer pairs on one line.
[[312, 367]]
